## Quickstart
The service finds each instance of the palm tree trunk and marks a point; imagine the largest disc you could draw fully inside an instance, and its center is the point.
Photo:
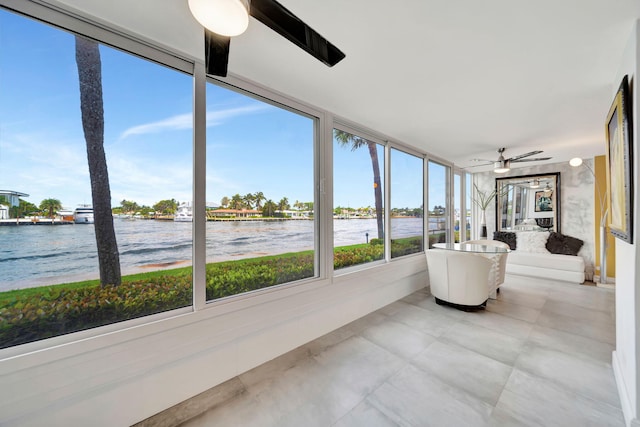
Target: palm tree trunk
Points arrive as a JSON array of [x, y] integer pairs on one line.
[[377, 187], [90, 77]]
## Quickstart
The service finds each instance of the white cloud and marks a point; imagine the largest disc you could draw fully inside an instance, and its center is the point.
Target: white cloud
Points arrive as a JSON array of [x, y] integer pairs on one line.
[[185, 121]]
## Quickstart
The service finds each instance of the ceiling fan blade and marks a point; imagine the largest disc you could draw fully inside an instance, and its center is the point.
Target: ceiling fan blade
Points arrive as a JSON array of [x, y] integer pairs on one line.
[[216, 53], [282, 21], [532, 153], [478, 165], [536, 159]]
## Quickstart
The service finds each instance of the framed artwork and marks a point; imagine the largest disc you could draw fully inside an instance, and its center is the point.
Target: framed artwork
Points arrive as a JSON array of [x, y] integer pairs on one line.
[[619, 165], [544, 201]]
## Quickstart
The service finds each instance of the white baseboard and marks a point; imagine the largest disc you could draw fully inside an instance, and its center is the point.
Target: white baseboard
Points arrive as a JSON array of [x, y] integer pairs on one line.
[[625, 402]]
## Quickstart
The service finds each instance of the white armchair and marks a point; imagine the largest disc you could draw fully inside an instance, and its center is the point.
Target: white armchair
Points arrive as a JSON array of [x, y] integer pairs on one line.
[[459, 279], [496, 275]]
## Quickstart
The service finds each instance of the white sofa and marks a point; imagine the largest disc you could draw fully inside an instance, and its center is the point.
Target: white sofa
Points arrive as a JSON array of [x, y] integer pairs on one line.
[[531, 258], [566, 268]]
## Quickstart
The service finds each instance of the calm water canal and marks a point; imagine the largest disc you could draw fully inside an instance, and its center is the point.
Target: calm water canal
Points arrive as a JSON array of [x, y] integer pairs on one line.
[[36, 255]]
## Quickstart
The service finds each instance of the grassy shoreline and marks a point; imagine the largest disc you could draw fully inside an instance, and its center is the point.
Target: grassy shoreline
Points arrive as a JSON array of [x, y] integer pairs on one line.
[[35, 313]]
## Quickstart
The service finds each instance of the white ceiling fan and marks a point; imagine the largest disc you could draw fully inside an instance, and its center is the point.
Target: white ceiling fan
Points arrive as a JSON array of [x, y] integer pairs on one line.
[[502, 165]]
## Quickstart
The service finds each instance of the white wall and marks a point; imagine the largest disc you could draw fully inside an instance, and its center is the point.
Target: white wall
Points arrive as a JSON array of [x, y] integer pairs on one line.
[[123, 377], [626, 360], [576, 204], [120, 374]]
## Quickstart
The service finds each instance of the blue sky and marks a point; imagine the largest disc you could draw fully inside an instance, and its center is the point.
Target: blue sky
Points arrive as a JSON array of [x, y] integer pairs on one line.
[[251, 145]]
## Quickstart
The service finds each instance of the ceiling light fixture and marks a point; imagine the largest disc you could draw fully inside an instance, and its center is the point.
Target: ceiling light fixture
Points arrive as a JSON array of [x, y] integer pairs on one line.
[[224, 17], [502, 165], [575, 162]]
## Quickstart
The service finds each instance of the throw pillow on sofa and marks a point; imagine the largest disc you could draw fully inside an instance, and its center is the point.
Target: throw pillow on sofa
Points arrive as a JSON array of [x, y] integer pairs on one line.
[[532, 241], [507, 237], [564, 245]]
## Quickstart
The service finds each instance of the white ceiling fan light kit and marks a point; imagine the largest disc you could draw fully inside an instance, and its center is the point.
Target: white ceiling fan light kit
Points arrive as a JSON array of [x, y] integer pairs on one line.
[[225, 17]]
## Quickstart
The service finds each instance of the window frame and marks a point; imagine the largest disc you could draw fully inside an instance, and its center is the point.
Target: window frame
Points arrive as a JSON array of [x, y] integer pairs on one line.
[[369, 136], [325, 121]]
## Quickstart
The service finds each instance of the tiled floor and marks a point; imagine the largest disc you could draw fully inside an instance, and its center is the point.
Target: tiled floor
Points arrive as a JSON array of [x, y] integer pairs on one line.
[[540, 355]]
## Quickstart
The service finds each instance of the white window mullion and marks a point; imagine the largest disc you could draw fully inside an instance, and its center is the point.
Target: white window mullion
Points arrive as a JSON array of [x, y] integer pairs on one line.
[[199, 186]]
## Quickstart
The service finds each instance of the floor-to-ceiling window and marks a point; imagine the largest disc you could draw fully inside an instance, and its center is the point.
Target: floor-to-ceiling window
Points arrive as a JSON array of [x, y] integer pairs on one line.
[[438, 194], [407, 211], [262, 186], [358, 202], [457, 208], [467, 206], [72, 257], [260, 193]]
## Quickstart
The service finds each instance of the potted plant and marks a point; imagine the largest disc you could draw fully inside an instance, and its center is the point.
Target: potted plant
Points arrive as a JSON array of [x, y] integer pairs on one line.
[[483, 199]]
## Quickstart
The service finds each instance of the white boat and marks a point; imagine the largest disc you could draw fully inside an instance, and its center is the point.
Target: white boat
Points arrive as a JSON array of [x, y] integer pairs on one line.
[[83, 215], [184, 213]]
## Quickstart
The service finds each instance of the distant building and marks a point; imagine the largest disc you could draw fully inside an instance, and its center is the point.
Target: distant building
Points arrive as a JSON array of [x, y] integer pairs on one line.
[[13, 197], [238, 213], [4, 212]]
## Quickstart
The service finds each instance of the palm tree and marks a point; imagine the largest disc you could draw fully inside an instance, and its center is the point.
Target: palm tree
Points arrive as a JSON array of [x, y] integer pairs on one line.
[[91, 108], [259, 198], [346, 139], [269, 208], [236, 202], [50, 206], [248, 200], [283, 205]]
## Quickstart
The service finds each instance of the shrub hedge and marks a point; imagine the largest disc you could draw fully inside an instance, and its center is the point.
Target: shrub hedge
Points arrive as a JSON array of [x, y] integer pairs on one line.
[[56, 310]]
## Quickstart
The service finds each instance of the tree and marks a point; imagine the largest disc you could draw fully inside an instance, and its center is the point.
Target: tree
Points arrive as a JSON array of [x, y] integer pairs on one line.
[[129, 206], [269, 208], [236, 202], [50, 206], [166, 207], [258, 199], [248, 200], [24, 208], [224, 202], [346, 139], [91, 107], [283, 204]]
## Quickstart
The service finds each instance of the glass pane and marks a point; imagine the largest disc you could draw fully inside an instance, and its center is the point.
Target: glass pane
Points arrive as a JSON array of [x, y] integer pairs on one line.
[[53, 278], [468, 205], [437, 203], [260, 194], [407, 223], [358, 216], [456, 207]]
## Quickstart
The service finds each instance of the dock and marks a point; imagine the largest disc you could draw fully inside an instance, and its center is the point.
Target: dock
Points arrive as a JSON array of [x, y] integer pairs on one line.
[[34, 221]]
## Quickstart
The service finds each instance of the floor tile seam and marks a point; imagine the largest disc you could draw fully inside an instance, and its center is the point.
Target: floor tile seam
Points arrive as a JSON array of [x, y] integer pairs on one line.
[[519, 338], [576, 334], [388, 413], [504, 387], [402, 359], [581, 356], [427, 331], [608, 321], [364, 399], [569, 301], [401, 356], [562, 387], [444, 380], [518, 318]]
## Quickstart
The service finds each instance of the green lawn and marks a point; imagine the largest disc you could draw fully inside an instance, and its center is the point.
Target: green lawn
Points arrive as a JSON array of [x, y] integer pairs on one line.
[[36, 313]]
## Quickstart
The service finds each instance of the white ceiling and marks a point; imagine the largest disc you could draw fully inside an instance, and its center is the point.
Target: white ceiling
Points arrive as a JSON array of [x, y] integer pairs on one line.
[[458, 79]]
